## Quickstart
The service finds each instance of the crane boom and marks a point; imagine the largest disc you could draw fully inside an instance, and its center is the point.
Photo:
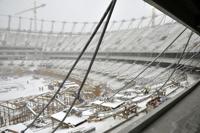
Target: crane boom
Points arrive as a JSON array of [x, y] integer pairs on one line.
[[27, 10]]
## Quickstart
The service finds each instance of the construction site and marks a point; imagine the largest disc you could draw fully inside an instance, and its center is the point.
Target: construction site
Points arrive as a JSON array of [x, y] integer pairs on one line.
[[55, 77]]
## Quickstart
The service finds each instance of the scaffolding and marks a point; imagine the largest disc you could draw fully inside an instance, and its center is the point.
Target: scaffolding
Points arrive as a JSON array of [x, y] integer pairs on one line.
[[24, 109]]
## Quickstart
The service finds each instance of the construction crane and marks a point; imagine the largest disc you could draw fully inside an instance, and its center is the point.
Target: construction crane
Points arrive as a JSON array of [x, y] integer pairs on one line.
[[34, 9]]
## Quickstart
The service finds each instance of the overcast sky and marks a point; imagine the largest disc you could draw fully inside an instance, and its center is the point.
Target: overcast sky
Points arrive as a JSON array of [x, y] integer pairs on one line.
[[77, 10]]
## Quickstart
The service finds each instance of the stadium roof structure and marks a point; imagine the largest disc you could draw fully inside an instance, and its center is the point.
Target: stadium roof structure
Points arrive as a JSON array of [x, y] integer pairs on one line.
[[186, 12]]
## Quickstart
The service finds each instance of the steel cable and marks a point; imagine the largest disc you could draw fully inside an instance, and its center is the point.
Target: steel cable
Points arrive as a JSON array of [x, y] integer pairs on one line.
[[113, 2], [72, 68]]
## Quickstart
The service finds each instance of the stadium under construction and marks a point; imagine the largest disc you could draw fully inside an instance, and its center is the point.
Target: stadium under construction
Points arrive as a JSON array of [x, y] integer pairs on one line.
[[105, 76]]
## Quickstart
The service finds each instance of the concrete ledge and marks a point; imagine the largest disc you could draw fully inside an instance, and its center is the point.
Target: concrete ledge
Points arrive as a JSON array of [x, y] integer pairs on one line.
[[141, 124]]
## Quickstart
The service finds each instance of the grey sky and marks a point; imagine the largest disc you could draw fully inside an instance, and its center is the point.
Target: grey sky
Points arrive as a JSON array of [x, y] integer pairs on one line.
[[77, 10]]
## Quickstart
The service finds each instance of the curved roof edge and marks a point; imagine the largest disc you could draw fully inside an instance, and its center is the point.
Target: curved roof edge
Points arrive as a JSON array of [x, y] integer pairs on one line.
[[186, 12]]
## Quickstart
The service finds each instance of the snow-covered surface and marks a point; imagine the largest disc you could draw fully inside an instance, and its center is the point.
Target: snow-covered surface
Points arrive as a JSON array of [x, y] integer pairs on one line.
[[24, 86], [17, 128], [141, 98], [129, 40], [146, 39], [113, 104], [131, 96], [73, 120]]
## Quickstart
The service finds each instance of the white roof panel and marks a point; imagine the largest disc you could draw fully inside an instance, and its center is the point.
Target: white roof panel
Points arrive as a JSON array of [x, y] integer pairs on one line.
[[73, 120]]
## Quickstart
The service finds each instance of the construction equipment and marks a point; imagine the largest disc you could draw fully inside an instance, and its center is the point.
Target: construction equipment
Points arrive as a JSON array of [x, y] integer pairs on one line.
[[126, 110], [34, 9]]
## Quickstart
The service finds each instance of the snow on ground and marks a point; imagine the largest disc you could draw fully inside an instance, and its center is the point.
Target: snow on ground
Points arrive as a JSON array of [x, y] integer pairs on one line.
[[16, 128], [16, 87]]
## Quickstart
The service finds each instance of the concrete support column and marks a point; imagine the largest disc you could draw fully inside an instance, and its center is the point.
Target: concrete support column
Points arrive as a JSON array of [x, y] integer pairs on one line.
[[141, 21], [73, 27], [121, 24], [19, 24], [30, 25], [130, 23], [83, 27], [93, 26], [52, 26], [9, 22], [41, 26], [112, 25], [63, 27]]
